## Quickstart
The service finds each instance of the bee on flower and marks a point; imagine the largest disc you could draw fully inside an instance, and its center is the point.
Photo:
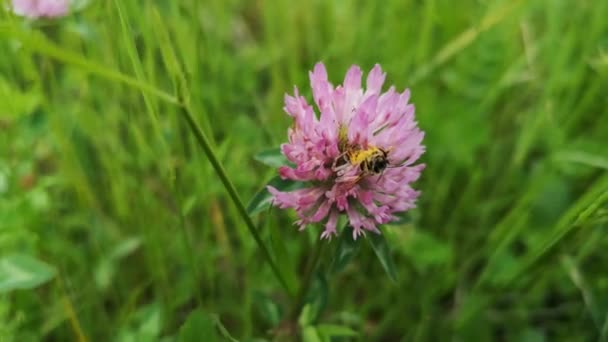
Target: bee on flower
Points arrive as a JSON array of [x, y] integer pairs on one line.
[[357, 155]]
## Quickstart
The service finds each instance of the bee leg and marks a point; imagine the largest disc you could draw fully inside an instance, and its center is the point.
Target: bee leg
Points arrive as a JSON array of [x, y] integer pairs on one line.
[[381, 174], [343, 163]]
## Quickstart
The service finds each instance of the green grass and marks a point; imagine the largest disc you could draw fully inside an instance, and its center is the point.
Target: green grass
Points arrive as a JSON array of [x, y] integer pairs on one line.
[[103, 179]]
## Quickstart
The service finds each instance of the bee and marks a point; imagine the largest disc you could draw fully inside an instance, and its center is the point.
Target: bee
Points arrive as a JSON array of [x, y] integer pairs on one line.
[[371, 161]]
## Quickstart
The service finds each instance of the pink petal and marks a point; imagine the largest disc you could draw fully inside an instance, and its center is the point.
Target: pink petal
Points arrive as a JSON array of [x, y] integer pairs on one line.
[[321, 88], [352, 81], [40, 8], [330, 226], [375, 79], [358, 131]]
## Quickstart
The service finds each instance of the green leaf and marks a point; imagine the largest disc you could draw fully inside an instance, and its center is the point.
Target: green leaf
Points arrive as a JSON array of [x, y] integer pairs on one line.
[[267, 308], [425, 250], [17, 103], [103, 274], [318, 295], [382, 251], [271, 157], [37, 42], [199, 326], [327, 331], [310, 334], [305, 316], [501, 268], [583, 157], [262, 199], [150, 321], [105, 271], [470, 314], [589, 298], [316, 300], [125, 248], [188, 205], [576, 215], [283, 258], [532, 335], [20, 271], [167, 50], [222, 329], [345, 251]]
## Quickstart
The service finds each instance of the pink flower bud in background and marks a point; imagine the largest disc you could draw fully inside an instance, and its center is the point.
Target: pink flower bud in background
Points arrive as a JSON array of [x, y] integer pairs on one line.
[[41, 8]]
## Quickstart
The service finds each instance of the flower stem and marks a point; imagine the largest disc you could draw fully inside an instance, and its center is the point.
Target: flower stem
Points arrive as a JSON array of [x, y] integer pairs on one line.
[[203, 141], [307, 281]]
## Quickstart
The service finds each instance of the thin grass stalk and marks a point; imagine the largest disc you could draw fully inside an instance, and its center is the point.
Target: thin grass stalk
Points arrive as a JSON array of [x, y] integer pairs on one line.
[[203, 141]]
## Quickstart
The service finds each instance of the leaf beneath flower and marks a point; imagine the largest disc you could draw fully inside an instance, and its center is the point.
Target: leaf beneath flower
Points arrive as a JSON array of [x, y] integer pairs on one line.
[[271, 157], [317, 296], [382, 251], [345, 251], [283, 259]]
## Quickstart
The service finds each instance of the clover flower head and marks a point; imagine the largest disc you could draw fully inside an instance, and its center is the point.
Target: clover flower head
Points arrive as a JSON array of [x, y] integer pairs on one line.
[[41, 8], [356, 157]]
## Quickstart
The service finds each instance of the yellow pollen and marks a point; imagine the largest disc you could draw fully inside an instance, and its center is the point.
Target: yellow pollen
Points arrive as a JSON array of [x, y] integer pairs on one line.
[[358, 156]]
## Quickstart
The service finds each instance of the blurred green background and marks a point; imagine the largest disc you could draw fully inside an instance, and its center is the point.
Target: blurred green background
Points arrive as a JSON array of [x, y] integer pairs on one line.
[[111, 205]]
